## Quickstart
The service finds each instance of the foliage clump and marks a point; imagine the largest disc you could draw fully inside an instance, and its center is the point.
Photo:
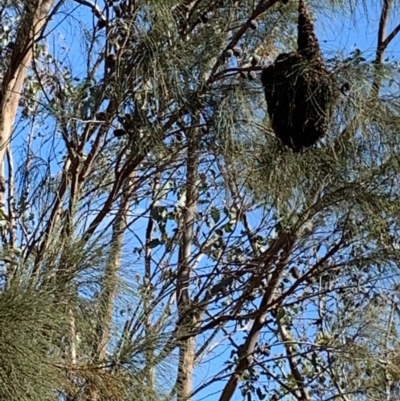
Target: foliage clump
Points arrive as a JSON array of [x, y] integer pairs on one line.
[[29, 323]]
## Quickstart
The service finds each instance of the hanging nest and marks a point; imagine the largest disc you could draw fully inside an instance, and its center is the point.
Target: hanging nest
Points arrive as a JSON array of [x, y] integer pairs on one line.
[[300, 94]]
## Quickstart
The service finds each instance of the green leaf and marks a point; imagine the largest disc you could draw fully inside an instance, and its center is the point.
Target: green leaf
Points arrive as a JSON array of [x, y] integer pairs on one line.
[[260, 394], [281, 313], [154, 243], [215, 214]]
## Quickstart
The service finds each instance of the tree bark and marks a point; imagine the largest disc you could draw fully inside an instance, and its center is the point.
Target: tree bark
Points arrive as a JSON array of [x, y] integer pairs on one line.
[[30, 28], [188, 319]]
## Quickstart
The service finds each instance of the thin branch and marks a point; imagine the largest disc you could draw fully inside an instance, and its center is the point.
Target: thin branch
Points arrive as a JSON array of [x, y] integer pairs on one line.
[[381, 45], [381, 30], [261, 7], [11, 199], [248, 348], [391, 36], [288, 344], [94, 7]]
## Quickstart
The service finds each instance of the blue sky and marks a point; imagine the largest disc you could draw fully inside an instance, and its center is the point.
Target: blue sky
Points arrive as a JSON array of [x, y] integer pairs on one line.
[[344, 32]]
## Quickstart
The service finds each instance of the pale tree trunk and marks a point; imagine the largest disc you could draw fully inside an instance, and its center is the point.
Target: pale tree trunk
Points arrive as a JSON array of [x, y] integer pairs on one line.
[[186, 315], [31, 25]]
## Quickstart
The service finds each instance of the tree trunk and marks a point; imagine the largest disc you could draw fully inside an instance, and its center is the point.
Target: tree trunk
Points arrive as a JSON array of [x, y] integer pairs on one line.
[[187, 352], [31, 25]]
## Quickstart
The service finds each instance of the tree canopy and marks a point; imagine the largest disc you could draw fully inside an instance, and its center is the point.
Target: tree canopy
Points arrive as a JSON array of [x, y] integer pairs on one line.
[[158, 241]]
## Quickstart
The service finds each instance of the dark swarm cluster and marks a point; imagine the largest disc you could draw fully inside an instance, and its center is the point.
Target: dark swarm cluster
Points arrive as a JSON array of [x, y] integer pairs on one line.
[[299, 90], [299, 99]]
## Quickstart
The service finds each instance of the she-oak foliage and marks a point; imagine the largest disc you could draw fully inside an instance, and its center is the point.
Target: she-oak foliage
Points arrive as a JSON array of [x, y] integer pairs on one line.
[[158, 242]]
